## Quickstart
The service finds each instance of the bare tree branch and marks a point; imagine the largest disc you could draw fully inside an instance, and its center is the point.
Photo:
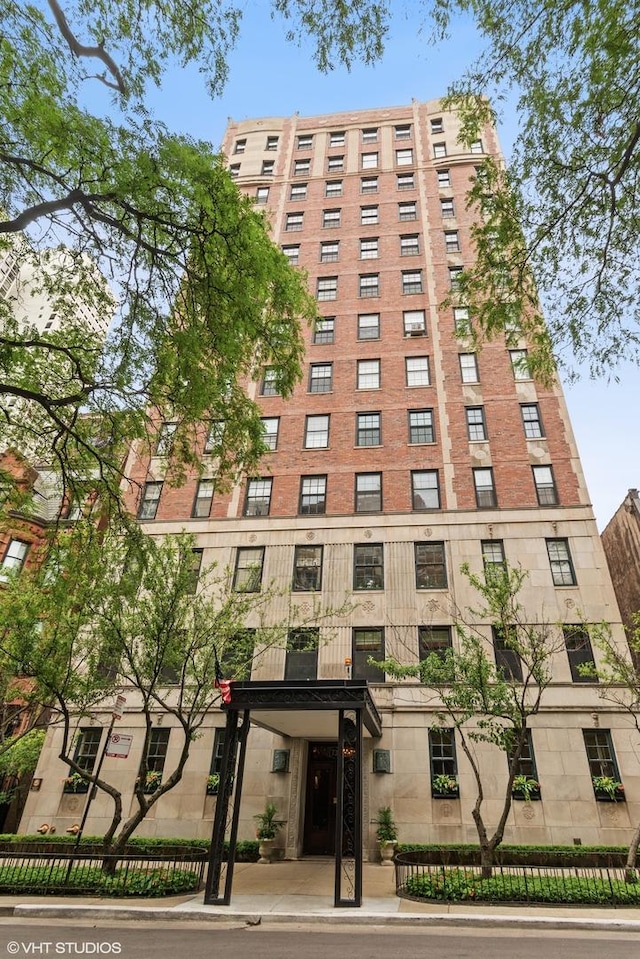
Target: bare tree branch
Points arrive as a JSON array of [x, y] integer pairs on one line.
[[80, 50]]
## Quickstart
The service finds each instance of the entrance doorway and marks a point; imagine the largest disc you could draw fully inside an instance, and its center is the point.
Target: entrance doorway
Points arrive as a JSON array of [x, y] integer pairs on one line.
[[321, 800]]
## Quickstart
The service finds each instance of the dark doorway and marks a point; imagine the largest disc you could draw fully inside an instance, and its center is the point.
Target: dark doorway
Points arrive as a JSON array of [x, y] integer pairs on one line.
[[321, 800]]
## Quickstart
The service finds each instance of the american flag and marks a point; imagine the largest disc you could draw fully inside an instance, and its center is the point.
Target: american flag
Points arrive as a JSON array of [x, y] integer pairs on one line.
[[224, 685]]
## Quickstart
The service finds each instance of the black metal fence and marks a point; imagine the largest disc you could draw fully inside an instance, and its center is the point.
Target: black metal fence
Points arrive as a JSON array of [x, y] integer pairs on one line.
[[102, 875], [563, 885]]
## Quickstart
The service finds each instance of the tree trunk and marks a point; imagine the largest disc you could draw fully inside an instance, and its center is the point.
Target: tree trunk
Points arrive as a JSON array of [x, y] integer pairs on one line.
[[486, 860], [630, 874]]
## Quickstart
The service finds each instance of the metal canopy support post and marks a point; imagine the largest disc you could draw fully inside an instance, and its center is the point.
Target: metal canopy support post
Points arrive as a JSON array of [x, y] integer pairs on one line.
[[348, 875], [225, 789]]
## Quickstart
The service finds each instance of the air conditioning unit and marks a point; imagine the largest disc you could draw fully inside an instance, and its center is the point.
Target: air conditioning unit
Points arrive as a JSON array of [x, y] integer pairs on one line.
[[414, 329]]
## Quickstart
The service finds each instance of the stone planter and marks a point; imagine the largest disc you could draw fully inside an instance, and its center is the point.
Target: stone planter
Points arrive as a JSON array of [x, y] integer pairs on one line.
[[265, 850], [387, 852]]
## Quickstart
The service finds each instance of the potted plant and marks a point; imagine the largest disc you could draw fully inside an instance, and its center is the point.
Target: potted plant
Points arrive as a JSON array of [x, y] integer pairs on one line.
[[213, 784], [387, 833], [444, 786], [75, 783], [524, 787], [608, 789], [268, 828], [152, 781]]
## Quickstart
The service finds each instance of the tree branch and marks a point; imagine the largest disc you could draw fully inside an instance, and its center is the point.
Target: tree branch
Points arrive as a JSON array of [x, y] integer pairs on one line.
[[80, 50]]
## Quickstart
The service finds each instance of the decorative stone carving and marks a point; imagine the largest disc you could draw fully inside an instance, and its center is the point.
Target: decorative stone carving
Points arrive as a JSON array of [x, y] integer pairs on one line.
[[569, 603], [528, 812], [367, 534], [252, 537], [311, 534], [368, 607], [427, 531]]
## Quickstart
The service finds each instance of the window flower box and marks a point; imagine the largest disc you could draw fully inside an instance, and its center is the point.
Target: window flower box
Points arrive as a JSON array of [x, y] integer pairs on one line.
[[445, 787], [525, 789], [213, 784], [75, 784], [608, 789]]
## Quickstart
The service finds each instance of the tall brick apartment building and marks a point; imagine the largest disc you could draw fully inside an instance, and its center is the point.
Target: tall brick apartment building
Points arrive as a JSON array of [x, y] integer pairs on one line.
[[402, 455]]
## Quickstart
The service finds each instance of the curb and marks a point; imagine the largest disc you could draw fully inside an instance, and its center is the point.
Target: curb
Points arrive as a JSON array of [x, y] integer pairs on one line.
[[335, 917]]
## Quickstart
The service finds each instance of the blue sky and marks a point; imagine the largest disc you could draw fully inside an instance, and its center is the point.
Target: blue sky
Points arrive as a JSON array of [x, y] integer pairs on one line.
[[269, 77]]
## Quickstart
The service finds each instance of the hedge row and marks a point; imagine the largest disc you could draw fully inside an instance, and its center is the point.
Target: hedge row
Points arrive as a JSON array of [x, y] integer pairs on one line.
[[246, 851], [130, 882], [512, 855]]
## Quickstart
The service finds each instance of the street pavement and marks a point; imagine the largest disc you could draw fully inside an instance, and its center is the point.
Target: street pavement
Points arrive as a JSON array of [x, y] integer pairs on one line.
[[301, 891]]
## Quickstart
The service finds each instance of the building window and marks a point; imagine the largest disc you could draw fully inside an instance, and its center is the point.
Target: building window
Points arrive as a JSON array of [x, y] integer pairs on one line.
[[461, 321], [545, 485], [150, 500], [196, 565], [302, 654], [369, 284], [331, 218], [336, 139], [269, 385], [215, 436], [321, 378], [368, 492], [447, 208], [562, 571], [157, 752], [404, 157], [369, 161], [324, 329], [402, 131], [409, 245], [292, 253], [368, 215], [368, 570], [370, 135], [247, 576], [421, 426], [85, 755], [476, 427], [368, 326], [313, 495], [577, 643], [262, 194], [600, 754], [267, 167], [330, 251], [439, 150], [369, 248], [508, 662], [368, 431], [293, 222], [476, 147], [437, 125], [327, 288], [434, 640], [369, 184], [234, 170], [316, 432], [258, 497], [335, 164], [451, 241], [485, 488], [368, 374], [455, 277], [405, 181], [272, 143], [305, 141], [531, 421], [414, 322], [165, 439], [431, 570], [469, 368], [307, 569], [425, 490], [519, 364], [16, 553], [444, 178], [333, 188], [216, 759], [408, 210], [298, 191], [417, 370], [240, 146], [368, 644], [270, 427], [412, 281], [493, 556], [526, 765], [204, 499], [442, 759]]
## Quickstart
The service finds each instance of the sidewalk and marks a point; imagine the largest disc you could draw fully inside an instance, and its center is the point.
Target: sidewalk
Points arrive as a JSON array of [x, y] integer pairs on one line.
[[302, 892]]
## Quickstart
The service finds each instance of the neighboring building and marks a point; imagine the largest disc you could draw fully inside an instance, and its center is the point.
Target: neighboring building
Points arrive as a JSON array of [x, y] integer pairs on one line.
[[621, 542], [402, 455]]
